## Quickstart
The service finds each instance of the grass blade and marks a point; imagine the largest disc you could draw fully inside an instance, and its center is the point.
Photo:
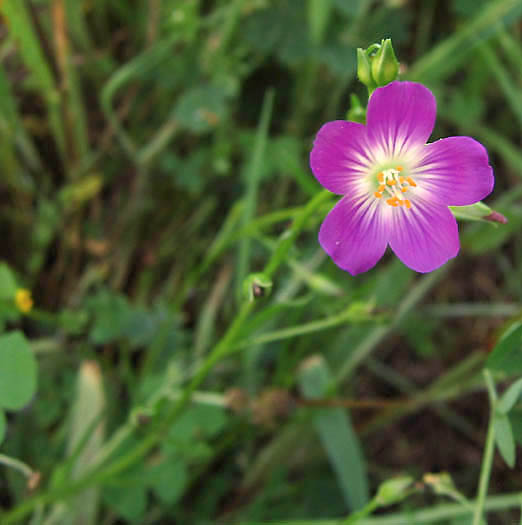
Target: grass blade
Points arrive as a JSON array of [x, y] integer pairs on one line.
[[337, 435]]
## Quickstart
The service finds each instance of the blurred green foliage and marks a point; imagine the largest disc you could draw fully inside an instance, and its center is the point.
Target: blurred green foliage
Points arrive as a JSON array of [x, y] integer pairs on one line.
[[153, 158]]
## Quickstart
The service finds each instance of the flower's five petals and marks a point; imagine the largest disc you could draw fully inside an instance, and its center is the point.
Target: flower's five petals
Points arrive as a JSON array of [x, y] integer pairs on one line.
[[401, 115], [396, 188], [425, 237], [455, 171], [353, 235], [339, 156]]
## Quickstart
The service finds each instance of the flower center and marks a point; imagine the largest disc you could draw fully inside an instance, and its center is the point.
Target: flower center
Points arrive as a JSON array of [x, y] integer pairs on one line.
[[393, 185]]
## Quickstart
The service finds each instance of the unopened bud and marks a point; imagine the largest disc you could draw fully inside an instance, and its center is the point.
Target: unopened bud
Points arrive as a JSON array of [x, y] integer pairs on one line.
[[385, 66], [256, 285], [393, 490], [364, 72], [495, 216]]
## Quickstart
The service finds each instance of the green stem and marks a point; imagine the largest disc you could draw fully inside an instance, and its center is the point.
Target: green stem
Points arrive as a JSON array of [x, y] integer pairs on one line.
[[16, 464], [307, 328], [489, 450]]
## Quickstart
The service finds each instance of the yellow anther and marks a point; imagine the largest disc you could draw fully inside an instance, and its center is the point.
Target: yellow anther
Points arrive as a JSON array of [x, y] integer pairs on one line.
[[404, 190], [399, 168], [380, 177], [378, 195], [401, 202], [408, 204], [401, 179], [391, 182], [382, 187], [411, 182]]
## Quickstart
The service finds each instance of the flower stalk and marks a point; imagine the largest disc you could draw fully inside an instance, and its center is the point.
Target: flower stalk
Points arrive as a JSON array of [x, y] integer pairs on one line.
[[489, 451]]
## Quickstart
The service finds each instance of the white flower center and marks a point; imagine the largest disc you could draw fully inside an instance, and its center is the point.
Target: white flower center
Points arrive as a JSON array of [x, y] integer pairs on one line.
[[394, 185]]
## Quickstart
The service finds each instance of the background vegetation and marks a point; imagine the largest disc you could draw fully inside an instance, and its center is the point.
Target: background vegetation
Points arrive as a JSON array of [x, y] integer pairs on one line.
[[153, 155]]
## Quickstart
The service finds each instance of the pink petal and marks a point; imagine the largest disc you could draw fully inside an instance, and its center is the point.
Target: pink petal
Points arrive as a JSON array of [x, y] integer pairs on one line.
[[353, 234], [400, 115], [455, 171], [339, 156], [425, 236]]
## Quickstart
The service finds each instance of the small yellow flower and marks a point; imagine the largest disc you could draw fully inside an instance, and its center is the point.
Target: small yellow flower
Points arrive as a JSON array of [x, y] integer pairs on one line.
[[23, 300]]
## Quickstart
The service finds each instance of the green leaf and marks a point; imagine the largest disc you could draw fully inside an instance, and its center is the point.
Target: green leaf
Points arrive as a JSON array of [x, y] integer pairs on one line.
[[111, 316], [8, 284], [336, 433], [129, 501], [199, 421], [168, 480], [510, 397], [507, 355], [201, 108], [3, 426], [504, 438], [17, 371]]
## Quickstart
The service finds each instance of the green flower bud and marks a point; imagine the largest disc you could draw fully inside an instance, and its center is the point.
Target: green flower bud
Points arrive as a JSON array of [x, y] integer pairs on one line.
[[364, 69], [384, 64], [256, 285], [393, 491], [478, 212]]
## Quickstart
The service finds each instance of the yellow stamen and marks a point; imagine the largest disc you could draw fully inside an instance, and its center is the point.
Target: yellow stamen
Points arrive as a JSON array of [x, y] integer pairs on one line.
[[399, 168], [382, 187], [378, 195], [404, 190], [401, 179], [411, 182], [408, 204], [391, 182], [380, 177]]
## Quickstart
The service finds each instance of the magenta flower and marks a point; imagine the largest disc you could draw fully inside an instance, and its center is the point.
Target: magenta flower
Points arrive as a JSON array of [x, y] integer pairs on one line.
[[396, 188]]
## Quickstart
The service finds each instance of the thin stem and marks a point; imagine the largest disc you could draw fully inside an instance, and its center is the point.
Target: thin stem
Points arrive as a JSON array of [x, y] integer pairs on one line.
[[489, 450], [8, 461]]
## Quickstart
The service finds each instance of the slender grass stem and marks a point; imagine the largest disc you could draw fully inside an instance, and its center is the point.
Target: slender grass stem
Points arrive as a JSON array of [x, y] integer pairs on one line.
[[489, 450]]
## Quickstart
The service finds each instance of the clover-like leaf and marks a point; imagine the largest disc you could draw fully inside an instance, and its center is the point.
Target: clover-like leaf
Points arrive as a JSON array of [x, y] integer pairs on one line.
[[507, 355], [504, 438], [18, 370], [510, 397]]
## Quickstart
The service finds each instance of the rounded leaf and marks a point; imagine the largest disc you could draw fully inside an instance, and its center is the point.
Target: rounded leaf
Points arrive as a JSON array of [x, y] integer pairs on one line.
[[17, 371]]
